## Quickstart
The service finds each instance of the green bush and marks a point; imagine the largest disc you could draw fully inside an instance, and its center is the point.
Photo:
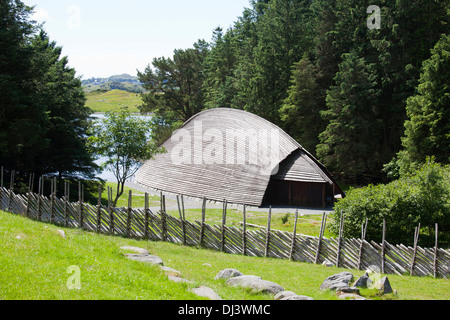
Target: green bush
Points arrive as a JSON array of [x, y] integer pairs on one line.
[[422, 197]]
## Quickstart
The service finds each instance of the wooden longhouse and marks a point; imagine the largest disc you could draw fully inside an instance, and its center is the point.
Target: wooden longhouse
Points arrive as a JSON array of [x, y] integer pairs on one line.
[[229, 154]]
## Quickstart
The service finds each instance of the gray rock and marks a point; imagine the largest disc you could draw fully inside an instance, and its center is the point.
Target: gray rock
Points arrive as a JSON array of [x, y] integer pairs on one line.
[[362, 281], [289, 295], [170, 271], [135, 249], [206, 292], [351, 296], [353, 290], [298, 297], [145, 258], [228, 273], [384, 285], [179, 280], [337, 282], [256, 284], [284, 294]]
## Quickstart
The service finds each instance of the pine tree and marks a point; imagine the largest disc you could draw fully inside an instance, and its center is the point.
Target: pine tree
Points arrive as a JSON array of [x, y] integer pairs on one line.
[[175, 88], [61, 92], [22, 119], [301, 110], [350, 143], [428, 126]]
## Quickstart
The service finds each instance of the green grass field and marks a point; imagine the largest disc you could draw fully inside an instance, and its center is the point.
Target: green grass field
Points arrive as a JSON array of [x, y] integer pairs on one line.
[[34, 264], [113, 100]]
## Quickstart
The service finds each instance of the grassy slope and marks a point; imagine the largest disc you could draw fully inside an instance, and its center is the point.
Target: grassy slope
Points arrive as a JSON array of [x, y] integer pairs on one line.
[[34, 266], [113, 100]]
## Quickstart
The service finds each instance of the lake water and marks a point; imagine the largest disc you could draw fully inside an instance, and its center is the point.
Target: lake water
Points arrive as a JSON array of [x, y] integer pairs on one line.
[[106, 174]]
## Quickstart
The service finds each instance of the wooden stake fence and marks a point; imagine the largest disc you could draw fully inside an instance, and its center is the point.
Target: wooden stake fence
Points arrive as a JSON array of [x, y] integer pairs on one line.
[[263, 242]]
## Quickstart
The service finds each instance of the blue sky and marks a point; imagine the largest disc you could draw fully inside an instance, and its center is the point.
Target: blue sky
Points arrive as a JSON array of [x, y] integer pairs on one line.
[[107, 37]]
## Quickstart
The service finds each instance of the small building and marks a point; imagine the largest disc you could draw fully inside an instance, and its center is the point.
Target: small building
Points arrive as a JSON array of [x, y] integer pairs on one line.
[[229, 154]]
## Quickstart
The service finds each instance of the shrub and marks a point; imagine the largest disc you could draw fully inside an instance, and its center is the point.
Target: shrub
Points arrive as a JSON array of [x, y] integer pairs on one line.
[[422, 197]]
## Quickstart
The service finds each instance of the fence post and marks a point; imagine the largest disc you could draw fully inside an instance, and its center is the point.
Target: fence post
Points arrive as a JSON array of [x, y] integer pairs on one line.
[[80, 202], [52, 199], [183, 230], [224, 220], [266, 252], [341, 232], [244, 234], [163, 218], [129, 213], [99, 209], [435, 262], [294, 236], [31, 182], [383, 247], [66, 202], [40, 192], [110, 212], [416, 239], [146, 216], [363, 238], [202, 226], [319, 243], [11, 190], [27, 212]]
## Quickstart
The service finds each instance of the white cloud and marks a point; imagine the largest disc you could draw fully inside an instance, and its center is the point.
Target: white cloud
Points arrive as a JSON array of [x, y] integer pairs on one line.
[[40, 15]]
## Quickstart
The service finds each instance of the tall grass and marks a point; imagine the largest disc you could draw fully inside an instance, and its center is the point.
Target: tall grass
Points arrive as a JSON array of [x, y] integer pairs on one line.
[[34, 259]]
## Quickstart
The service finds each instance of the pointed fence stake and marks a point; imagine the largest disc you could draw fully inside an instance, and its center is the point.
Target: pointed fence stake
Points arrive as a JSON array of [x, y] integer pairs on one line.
[[111, 212], [66, 202], [321, 232], [129, 213], [202, 226], [266, 251], [224, 220], [361, 247], [183, 230], [147, 217], [341, 233], [99, 209], [294, 237], [416, 239], [383, 248], [244, 233], [435, 262]]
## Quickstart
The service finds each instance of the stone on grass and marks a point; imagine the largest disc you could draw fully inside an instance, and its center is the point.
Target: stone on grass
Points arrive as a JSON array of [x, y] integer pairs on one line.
[[289, 295], [206, 292], [170, 271], [384, 285], [179, 279], [337, 282], [256, 284], [145, 258], [351, 296], [363, 281], [135, 249], [228, 273]]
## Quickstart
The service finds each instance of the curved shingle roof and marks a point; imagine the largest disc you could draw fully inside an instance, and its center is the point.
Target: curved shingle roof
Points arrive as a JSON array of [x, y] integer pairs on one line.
[[228, 154]]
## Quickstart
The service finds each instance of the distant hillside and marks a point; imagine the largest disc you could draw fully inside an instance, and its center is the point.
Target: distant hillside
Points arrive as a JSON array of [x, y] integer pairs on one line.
[[113, 100], [123, 82]]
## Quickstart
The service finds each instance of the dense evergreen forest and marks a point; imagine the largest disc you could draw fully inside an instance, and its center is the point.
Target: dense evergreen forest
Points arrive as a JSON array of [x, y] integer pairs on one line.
[[365, 91], [43, 118]]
